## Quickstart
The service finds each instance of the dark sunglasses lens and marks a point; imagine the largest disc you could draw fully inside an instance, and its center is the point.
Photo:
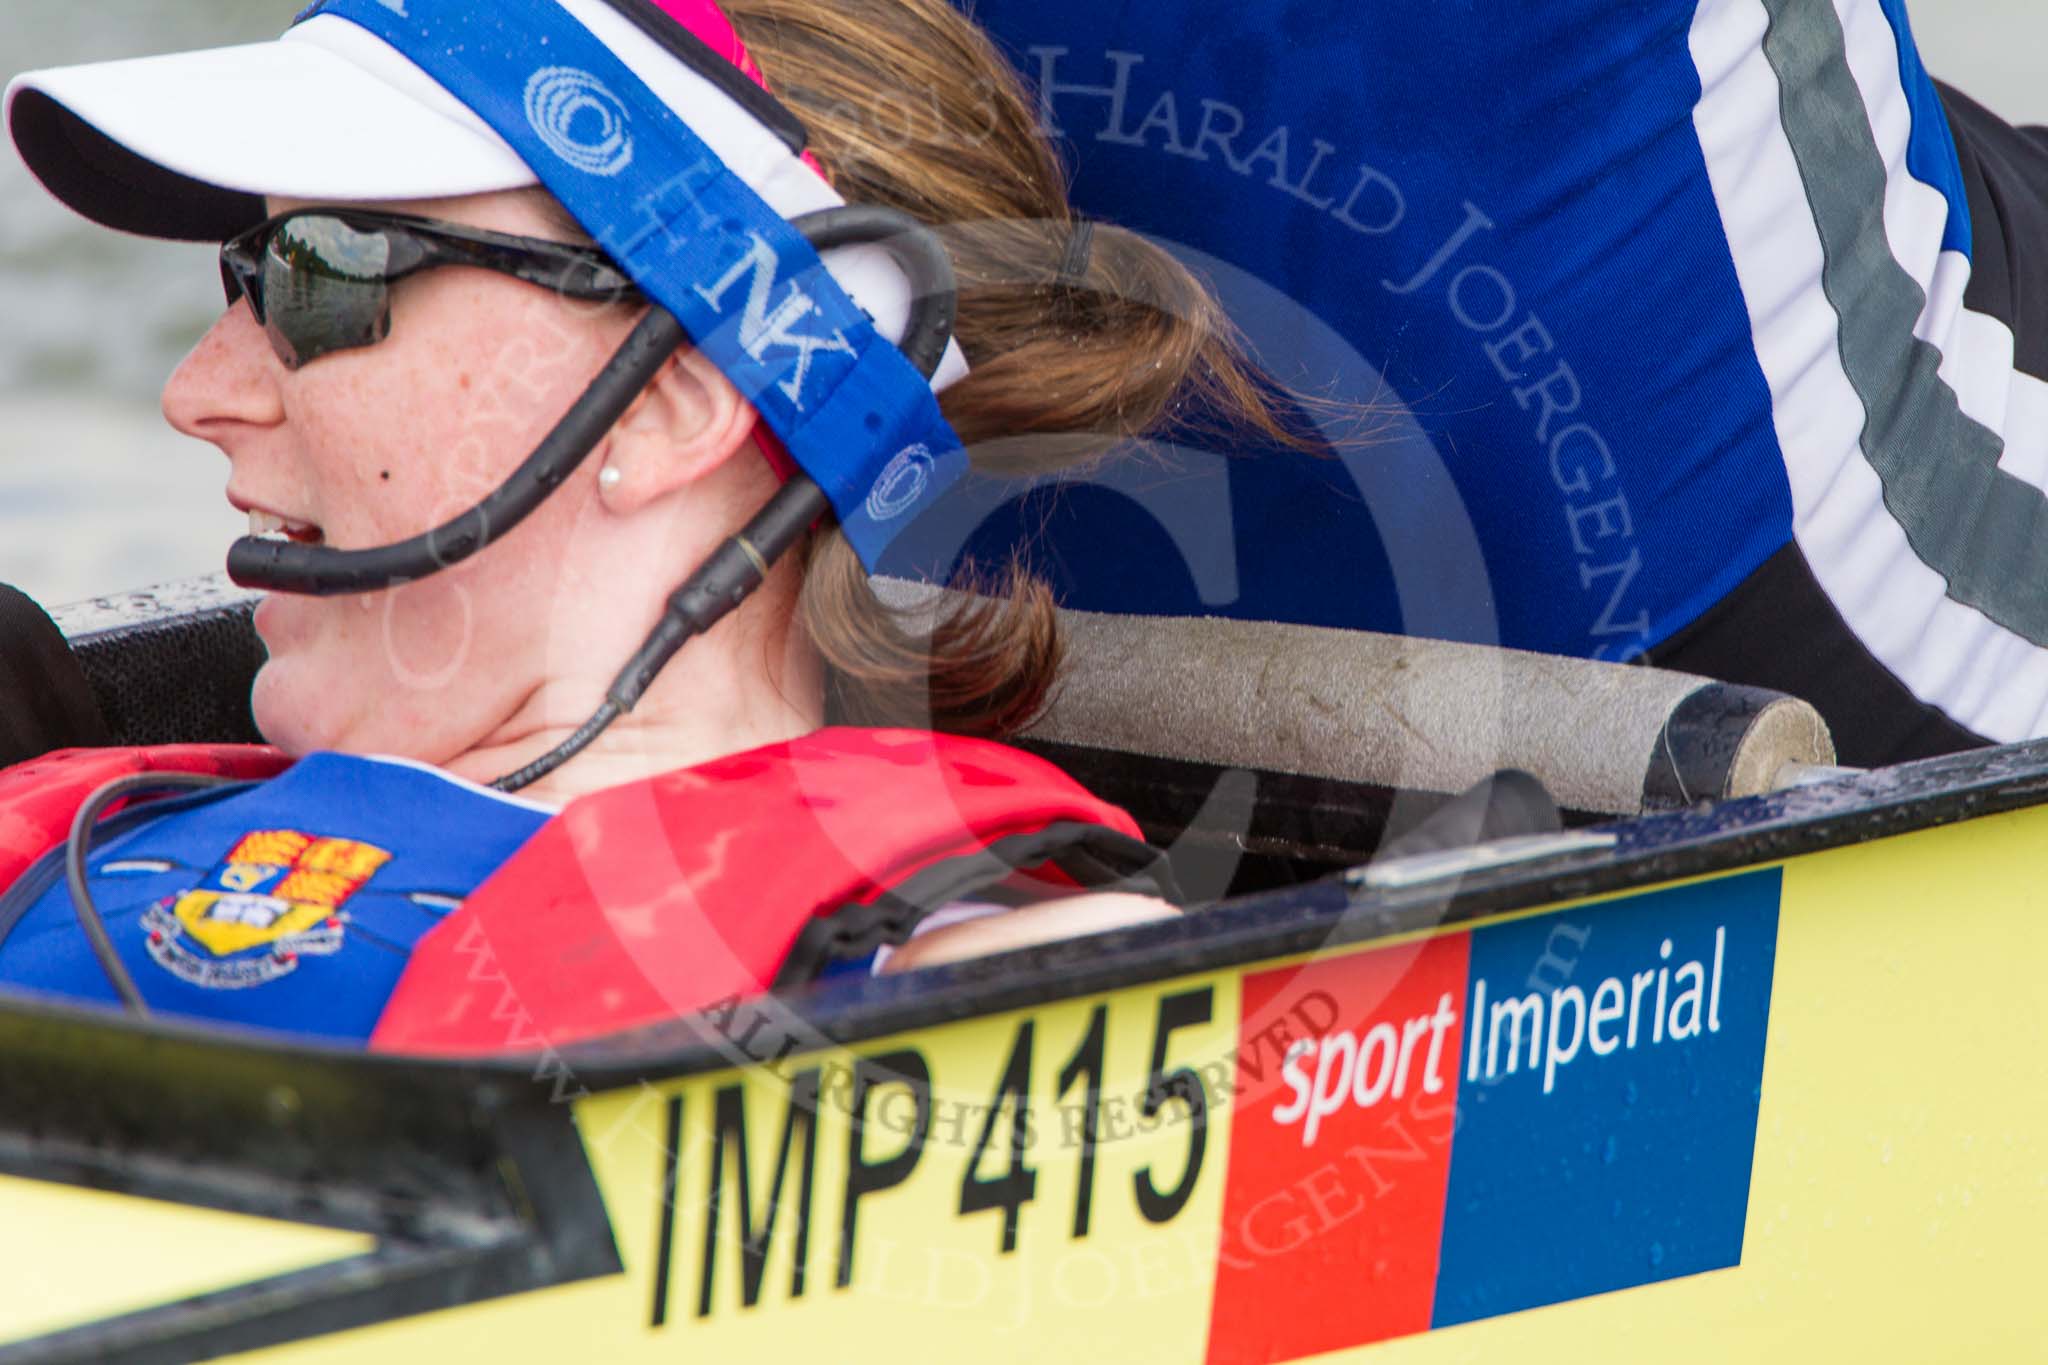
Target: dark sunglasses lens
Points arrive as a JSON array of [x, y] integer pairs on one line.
[[325, 288]]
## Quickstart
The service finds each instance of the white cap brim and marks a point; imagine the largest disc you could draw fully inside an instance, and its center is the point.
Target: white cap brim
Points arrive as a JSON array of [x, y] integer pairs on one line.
[[328, 113], [189, 146]]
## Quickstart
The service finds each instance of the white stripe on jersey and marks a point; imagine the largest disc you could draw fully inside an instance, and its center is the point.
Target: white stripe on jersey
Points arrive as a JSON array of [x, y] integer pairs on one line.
[[1952, 656], [1976, 350]]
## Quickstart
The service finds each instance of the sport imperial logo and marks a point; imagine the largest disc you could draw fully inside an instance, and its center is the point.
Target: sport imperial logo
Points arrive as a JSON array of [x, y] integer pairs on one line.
[[278, 896]]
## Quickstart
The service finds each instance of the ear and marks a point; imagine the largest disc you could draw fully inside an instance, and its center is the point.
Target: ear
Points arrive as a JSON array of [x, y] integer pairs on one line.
[[683, 427]]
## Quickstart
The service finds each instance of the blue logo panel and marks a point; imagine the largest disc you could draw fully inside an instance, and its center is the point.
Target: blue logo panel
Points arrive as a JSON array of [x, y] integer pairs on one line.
[[1608, 1097]]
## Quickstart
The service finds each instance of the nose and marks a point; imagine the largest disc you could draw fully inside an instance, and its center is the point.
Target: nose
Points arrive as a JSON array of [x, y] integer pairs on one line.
[[228, 383]]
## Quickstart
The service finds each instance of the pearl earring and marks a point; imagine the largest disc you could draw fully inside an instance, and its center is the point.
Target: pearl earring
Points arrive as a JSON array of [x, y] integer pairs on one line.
[[609, 479]]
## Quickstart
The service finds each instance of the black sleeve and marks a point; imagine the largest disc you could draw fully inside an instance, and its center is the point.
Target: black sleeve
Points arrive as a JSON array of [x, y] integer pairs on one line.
[[45, 701], [2005, 176]]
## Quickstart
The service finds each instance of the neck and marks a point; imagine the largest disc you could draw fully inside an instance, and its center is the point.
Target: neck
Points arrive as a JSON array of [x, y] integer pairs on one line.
[[735, 689]]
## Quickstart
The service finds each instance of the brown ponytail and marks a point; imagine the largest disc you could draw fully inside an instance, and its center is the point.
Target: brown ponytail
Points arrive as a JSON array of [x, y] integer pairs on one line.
[[909, 105]]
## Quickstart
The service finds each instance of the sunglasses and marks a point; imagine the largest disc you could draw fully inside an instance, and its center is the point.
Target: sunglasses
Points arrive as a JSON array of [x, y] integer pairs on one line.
[[319, 280]]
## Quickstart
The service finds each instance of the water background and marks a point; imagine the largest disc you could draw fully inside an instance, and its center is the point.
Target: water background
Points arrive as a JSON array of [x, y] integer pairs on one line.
[[98, 495], [96, 492]]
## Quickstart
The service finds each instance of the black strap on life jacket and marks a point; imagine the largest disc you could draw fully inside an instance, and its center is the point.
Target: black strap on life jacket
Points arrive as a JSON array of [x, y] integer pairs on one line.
[[1097, 858]]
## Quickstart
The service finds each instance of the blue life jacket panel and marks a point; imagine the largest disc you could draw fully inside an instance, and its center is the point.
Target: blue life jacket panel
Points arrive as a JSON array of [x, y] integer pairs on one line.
[[292, 904]]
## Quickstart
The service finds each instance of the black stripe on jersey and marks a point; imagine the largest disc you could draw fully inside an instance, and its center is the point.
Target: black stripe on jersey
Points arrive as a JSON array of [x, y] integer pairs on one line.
[[1779, 630]]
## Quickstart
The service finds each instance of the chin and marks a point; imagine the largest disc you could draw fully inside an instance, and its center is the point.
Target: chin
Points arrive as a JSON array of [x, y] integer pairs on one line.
[[300, 707], [298, 700], [280, 718]]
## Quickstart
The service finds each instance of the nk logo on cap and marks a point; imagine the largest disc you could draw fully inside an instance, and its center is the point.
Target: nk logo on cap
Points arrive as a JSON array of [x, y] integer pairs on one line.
[[764, 328]]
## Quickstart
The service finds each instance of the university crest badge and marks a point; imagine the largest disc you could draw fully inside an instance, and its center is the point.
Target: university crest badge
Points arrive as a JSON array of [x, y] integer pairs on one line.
[[278, 896]]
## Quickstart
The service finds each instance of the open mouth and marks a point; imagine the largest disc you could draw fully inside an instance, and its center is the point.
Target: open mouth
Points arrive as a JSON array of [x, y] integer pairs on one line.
[[269, 526]]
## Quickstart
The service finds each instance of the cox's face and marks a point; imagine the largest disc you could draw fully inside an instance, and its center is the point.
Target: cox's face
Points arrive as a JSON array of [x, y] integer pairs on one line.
[[366, 447]]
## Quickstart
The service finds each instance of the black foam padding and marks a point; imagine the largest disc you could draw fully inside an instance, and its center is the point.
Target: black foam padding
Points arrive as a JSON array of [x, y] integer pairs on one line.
[[177, 679], [1265, 830], [1262, 831], [1511, 804], [1695, 755], [46, 702]]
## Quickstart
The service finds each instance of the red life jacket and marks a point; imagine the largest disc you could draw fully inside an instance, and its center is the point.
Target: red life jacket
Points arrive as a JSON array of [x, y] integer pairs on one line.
[[662, 897], [39, 799]]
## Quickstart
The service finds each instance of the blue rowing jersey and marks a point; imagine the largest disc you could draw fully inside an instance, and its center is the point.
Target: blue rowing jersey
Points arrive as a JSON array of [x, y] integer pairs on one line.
[[292, 904], [1678, 299]]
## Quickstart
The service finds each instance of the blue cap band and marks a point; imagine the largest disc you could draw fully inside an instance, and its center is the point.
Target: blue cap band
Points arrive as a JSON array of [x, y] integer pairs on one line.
[[855, 415]]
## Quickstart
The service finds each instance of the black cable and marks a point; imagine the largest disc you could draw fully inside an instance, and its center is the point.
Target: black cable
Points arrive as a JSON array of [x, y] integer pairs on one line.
[[78, 847], [320, 571], [586, 735], [726, 580], [935, 290], [742, 563]]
